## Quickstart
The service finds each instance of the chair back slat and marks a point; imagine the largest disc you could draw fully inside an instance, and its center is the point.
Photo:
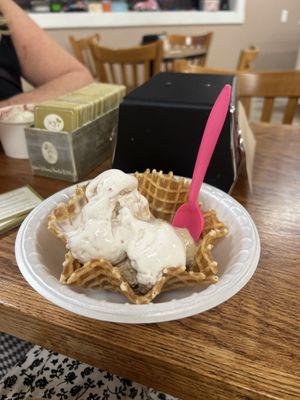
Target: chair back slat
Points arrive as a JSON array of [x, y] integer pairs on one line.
[[146, 71], [267, 109], [246, 101], [101, 72], [124, 75], [134, 75], [159, 53], [112, 73], [290, 110]]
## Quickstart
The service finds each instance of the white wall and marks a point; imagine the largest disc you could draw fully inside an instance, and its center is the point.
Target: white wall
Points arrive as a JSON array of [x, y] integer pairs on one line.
[[278, 42]]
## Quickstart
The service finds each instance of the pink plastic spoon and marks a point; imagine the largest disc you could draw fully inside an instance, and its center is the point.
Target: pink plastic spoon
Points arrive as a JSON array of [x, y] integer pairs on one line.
[[189, 215]]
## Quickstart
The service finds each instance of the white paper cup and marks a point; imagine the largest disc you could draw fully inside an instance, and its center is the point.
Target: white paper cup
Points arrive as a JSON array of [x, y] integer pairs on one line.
[[12, 134]]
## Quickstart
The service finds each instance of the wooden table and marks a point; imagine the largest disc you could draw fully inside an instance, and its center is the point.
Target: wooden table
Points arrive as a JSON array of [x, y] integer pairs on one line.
[[246, 348]]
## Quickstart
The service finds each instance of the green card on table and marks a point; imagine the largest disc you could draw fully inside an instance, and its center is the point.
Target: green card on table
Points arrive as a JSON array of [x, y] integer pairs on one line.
[[15, 205]]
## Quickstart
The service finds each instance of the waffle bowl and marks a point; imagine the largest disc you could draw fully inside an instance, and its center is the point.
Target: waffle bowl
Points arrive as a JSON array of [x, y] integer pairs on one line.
[[165, 194]]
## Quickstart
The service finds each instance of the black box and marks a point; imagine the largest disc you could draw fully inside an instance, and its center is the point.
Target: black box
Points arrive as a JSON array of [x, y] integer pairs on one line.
[[161, 125]]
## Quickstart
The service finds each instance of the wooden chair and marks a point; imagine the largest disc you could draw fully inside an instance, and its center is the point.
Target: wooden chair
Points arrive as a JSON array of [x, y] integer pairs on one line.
[[270, 85], [244, 63], [203, 41], [246, 57], [122, 65], [81, 48], [266, 85]]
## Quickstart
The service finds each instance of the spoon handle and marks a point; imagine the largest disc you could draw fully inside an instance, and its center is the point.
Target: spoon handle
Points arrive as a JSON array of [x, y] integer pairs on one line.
[[209, 140]]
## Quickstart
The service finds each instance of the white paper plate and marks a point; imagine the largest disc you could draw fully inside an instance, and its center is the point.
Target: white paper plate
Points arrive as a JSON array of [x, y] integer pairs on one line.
[[40, 255]]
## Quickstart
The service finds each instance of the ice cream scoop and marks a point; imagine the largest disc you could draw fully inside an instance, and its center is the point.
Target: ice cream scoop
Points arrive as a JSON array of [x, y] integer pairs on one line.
[[115, 223], [94, 236], [17, 114], [150, 245]]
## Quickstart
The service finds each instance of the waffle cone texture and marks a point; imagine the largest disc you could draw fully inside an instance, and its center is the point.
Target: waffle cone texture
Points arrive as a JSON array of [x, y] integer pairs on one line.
[[165, 195]]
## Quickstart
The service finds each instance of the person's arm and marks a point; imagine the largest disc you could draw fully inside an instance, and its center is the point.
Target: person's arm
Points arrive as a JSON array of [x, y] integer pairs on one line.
[[44, 64]]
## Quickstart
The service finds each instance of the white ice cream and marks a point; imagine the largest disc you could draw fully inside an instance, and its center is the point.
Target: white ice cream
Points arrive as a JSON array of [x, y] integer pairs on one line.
[[150, 245], [116, 223], [17, 115]]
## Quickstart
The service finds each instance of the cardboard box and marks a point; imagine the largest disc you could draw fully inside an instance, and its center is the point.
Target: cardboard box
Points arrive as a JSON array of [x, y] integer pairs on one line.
[[71, 155]]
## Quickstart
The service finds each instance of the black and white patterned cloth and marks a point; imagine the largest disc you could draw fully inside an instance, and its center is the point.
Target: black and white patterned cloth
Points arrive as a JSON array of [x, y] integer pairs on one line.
[[12, 350], [45, 374]]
